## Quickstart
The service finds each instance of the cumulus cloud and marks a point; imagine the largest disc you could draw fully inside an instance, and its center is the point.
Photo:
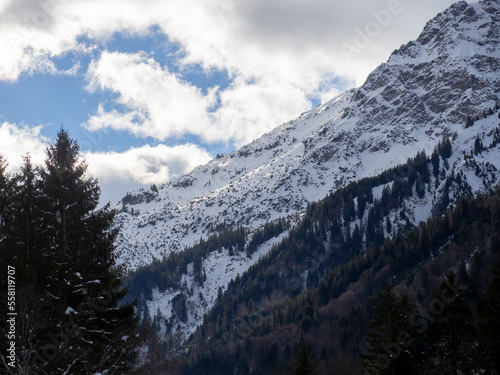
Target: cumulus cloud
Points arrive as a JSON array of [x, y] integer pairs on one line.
[[161, 105], [120, 172], [17, 139], [278, 54], [247, 110]]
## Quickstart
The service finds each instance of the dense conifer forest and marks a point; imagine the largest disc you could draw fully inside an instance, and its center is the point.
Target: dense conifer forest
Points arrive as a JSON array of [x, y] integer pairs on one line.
[[436, 313], [58, 249]]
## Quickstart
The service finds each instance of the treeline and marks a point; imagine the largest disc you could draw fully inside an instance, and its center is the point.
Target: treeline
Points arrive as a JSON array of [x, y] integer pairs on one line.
[[405, 176], [270, 230], [62, 284], [339, 209], [333, 317], [469, 121]]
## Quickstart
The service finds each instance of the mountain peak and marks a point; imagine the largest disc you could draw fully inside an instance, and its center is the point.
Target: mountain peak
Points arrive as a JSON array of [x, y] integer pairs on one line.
[[463, 23], [472, 28], [449, 73]]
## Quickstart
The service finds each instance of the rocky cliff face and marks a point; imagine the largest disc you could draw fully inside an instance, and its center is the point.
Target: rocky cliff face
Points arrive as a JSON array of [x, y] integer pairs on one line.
[[450, 72], [427, 89]]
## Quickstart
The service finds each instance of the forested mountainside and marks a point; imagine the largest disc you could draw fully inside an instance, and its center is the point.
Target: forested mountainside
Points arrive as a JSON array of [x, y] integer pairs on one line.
[[55, 258], [256, 327]]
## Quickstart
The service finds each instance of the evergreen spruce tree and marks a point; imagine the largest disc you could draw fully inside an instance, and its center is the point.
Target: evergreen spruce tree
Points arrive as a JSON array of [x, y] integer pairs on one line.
[[7, 256], [21, 248], [304, 364], [419, 186], [27, 227], [70, 317], [6, 192], [435, 163], [391, 338], [85, 286], [446, 148]]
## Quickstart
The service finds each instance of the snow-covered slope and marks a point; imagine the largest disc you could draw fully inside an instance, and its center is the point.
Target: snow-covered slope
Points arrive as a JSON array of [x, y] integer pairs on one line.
[[425, 90]]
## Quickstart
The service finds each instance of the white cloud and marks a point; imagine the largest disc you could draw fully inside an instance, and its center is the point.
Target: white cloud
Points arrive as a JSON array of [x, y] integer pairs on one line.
[[17, 139], [278, 55], [121, 172], [247, 110], [118, 172], [160, 104], [296, 41]]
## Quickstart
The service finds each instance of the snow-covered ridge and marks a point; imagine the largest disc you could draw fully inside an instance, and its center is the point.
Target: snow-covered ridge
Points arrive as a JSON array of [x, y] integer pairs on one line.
[[425, 90]]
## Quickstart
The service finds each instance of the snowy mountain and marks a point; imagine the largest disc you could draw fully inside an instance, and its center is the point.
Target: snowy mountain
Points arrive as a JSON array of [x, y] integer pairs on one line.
[[473, 167], [427, 89], [446, 84]]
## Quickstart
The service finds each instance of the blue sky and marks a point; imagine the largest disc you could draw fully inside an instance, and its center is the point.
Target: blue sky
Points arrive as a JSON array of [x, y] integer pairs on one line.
[[152, 89]]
